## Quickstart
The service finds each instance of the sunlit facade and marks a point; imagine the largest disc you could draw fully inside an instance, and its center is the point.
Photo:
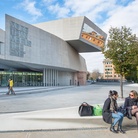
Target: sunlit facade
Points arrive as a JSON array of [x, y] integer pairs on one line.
[[46, 54]]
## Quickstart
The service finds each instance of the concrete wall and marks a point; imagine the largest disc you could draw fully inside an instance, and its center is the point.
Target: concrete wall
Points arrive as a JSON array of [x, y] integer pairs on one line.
[[66, 29], [2, 33], [43, 49], [66, 78], [69, 28], [2, 37]]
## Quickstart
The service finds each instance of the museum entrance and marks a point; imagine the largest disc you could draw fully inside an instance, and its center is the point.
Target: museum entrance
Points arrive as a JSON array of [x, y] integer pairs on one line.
[[21, 78]]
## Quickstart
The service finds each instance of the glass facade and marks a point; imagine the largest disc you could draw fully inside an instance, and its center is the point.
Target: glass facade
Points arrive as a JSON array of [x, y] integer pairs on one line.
[[90, 35], [22, 78]]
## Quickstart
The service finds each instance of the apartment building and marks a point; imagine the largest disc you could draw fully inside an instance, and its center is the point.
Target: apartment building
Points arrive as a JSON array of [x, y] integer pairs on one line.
[[109, 72]]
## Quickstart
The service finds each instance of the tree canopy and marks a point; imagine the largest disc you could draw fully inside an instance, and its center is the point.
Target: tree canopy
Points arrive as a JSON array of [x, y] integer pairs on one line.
[[122, 49]]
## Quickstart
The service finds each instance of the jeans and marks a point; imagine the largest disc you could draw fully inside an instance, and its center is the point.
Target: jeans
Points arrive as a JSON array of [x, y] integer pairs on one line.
[[118, 118]]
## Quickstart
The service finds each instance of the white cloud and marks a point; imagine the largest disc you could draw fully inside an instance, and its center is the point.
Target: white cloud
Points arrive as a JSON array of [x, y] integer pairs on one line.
[[123, 16], [88, 7], [47, 2], [29, 6], [59, 11]]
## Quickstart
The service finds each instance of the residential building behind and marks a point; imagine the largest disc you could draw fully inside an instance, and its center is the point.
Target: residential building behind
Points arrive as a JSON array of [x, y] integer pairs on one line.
[[109, 72]]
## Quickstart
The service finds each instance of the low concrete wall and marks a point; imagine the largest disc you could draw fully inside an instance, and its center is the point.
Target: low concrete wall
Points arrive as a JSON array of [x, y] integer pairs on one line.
[[62, 118]]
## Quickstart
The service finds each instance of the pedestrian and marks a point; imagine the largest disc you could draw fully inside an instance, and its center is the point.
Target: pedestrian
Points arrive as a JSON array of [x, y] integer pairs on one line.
[[10, 88], [131, 104], [8, 84], [110, 111]]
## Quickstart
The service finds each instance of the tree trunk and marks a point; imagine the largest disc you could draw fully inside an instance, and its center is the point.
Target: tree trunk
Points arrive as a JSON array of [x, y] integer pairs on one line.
[[121, 85]]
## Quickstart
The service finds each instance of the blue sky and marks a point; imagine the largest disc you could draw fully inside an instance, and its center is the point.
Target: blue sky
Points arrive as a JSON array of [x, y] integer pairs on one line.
[[104, 13]]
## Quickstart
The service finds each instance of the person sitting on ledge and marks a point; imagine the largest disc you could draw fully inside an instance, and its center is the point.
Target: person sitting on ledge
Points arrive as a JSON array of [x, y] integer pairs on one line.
[[131, 104], [110, 112]]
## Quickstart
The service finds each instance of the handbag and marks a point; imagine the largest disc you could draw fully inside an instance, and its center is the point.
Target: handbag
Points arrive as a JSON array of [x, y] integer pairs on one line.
[[122, 110], [85, 109], [97, 110]]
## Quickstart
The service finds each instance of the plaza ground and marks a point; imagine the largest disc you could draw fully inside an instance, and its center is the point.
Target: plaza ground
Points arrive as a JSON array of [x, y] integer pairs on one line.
[[35, 99]]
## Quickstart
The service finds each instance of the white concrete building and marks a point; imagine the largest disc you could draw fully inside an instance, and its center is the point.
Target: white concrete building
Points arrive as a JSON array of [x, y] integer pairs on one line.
[[45, 54]]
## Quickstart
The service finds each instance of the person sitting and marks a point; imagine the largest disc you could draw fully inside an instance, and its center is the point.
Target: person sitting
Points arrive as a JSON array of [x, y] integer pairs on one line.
[[131, 104], [110, 112]]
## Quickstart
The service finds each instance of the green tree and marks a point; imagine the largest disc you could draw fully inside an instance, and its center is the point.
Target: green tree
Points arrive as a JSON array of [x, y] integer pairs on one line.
[[122, 49]]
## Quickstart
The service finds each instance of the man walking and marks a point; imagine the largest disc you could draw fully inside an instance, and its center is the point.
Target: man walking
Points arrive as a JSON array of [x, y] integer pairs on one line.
[[10, 83]]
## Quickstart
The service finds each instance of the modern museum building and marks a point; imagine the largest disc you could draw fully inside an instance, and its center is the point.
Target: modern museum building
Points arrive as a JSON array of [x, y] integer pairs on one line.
[[48, 53]]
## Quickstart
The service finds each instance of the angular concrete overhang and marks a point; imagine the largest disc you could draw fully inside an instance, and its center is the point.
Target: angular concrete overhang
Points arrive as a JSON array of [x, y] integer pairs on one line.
[[18, 65], [81, 33], [83, 46]]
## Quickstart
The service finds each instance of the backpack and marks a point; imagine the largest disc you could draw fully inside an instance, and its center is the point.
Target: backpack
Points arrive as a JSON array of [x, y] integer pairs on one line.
[[97, 110], [85, 109]]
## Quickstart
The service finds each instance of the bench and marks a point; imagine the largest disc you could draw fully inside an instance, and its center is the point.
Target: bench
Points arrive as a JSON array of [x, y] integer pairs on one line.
[[62, 118]]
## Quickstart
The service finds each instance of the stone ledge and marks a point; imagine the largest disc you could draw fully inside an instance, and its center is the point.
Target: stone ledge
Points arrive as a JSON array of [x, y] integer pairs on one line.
[[62, 118]]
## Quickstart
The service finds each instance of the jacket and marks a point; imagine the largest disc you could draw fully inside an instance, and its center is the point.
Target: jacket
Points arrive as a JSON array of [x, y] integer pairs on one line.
[[11, 83], [107, 114], [130, 102]]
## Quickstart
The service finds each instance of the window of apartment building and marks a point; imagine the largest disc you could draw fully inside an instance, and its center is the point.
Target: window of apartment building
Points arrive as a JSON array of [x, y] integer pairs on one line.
[[108, 72], [108, 75], [108, 69]]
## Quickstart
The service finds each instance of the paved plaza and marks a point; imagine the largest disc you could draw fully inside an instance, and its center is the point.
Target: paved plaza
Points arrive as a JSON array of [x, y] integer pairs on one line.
[[40, 98]]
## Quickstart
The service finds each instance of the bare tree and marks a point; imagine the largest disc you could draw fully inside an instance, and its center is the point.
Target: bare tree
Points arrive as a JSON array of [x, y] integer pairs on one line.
[[88, 75], [95, 74]]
